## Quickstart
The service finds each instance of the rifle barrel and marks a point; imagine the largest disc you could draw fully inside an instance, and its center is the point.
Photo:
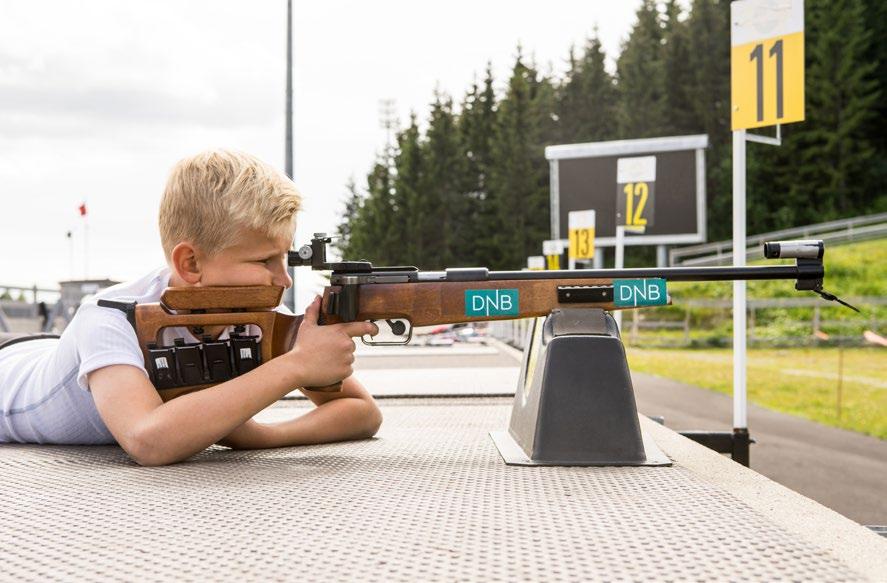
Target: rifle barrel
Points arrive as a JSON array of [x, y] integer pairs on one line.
[[802, 271]]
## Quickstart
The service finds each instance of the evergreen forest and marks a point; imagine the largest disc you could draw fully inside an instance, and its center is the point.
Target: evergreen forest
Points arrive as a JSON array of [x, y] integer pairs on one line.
[[471, 185]]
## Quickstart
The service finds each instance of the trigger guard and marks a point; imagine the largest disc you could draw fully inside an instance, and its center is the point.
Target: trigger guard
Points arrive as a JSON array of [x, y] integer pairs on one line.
[[407, 334]]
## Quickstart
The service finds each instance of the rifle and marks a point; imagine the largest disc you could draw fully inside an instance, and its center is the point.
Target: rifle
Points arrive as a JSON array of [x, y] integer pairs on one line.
[[404, 297]]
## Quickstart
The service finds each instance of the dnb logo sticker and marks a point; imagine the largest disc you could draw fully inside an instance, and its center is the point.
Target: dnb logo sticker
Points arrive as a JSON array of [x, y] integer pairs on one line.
[[639, 292], [491, 302]]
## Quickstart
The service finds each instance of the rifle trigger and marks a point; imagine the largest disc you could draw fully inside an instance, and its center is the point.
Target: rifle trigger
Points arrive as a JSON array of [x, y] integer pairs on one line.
[[398, 328], [332, 306]]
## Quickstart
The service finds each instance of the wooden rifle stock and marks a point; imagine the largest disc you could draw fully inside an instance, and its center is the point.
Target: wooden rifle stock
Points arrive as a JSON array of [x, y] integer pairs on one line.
[[434, 303]]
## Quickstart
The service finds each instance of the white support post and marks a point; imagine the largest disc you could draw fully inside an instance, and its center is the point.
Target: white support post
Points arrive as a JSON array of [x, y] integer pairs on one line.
[[619, 264], [661, 256], [85, 247], [740, 402], [73, 270]]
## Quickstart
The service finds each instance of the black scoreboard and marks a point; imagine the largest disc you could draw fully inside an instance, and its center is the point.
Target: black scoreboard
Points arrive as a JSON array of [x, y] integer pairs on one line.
[[655, 185]]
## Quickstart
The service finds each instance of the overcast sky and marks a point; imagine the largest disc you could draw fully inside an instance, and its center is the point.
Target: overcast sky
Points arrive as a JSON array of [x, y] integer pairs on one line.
[[99, 99]]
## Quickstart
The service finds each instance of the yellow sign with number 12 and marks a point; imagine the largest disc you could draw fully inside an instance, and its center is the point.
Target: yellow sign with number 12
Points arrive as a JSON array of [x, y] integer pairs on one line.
[[767, 62]]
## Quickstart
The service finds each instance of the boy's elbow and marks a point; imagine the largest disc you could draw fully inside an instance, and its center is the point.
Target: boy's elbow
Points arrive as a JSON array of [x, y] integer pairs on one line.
[[147, 456], [373, 420], [149, 461], [145, 451]]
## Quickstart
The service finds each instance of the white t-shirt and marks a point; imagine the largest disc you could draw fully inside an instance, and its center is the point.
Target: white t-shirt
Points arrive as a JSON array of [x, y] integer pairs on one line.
[[44, 395]]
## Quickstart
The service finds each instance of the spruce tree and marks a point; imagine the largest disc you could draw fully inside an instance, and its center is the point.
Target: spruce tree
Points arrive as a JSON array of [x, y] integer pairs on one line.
[[345, 241], [519, 177], [679, 112], [373, 236], [708, 35], [830, 150], [444, 228], [587, 100], [708, 32], [641, 77], [875, 21], [477, 126], [407, 200]]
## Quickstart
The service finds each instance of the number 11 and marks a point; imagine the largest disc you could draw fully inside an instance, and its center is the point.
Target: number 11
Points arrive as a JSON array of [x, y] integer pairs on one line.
[[757, 54]]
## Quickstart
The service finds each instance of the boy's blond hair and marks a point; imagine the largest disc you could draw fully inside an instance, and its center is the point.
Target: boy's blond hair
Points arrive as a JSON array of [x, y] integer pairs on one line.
[[211, 196]]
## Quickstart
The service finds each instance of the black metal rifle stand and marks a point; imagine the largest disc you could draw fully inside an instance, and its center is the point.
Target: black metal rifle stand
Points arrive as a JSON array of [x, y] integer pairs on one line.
[[737, 442], [574, 404]]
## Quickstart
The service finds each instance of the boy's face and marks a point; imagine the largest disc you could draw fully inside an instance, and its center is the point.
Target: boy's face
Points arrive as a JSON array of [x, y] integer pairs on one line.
[[256, 259]]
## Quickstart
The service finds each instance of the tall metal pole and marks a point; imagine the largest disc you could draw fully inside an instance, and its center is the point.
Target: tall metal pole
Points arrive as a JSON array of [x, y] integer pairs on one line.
[[740, 406], [289, 88], [85, 217], [291, 300]]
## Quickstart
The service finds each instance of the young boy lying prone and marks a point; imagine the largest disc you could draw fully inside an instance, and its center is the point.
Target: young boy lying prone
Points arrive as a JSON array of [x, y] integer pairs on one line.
[[226, 218]]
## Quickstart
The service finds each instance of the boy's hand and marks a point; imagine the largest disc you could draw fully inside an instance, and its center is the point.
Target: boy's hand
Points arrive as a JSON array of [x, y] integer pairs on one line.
[[323, 355]]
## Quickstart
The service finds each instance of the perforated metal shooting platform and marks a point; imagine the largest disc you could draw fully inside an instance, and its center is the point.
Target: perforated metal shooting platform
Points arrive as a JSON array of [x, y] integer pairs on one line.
[[429, 499]]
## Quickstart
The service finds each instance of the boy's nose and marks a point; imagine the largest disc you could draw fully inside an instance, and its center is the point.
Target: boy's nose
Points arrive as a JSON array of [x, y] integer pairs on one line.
[[283, 278]]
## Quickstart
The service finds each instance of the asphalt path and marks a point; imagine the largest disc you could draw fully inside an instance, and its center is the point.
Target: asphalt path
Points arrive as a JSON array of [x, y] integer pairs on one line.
[[842, 470]]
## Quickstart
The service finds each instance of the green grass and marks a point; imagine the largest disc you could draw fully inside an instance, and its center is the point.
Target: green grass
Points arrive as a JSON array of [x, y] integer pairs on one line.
[[798, 381], [855, 270], [858, 269]]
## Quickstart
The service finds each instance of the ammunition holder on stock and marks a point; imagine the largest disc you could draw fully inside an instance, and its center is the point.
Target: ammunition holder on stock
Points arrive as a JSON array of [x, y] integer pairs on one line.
[[210, 361]]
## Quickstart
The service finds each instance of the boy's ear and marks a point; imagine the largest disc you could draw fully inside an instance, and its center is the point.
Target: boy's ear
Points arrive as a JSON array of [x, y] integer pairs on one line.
[[184, 262]]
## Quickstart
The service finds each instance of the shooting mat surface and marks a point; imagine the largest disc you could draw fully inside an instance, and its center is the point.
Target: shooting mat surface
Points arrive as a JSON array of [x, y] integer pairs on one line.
[[429, 499]]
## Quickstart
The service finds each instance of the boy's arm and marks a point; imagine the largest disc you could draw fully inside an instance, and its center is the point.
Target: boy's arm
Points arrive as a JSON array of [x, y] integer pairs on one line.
[[349, 414], [156, 433]]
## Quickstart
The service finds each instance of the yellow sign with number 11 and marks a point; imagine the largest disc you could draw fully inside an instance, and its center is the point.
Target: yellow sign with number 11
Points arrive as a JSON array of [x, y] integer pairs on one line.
[[767, 62]]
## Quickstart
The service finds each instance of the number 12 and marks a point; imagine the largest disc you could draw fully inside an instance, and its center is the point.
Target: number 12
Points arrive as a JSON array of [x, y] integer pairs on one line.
[[633, 215]]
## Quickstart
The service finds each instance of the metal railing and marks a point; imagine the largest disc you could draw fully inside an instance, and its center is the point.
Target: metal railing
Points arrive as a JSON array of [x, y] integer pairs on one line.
[[815, 322], [35, 293], [841, 231], [514, 332], [22, 313], [511, 332]]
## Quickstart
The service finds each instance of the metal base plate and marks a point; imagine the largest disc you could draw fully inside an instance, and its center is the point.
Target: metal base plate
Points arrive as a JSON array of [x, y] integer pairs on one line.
[[514, 455]]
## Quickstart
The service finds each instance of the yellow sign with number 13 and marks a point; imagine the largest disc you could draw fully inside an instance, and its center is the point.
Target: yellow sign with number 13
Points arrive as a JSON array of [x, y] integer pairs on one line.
[[581, 226]]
